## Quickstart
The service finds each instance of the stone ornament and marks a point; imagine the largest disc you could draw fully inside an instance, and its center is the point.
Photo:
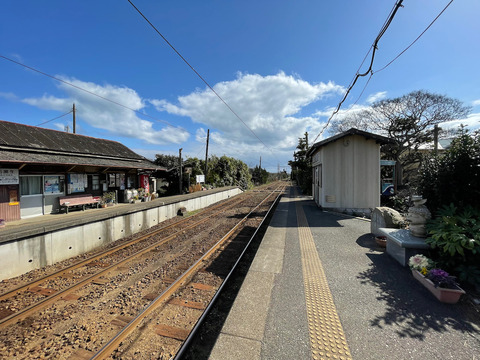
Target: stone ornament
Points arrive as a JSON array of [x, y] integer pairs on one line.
[[418, 215]]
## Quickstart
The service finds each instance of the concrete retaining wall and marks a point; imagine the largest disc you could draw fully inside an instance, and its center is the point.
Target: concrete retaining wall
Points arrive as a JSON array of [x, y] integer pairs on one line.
[[48, 247]]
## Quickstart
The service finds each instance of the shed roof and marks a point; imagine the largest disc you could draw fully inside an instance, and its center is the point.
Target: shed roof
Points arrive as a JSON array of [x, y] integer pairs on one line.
[[378, 138], [33, 145]]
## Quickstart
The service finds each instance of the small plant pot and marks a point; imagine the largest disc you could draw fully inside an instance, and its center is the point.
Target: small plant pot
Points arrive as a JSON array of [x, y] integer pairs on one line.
[[381, 241]]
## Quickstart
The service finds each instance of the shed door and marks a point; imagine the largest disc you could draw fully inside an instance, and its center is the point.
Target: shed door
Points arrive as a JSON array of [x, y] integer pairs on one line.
[[31, 196]]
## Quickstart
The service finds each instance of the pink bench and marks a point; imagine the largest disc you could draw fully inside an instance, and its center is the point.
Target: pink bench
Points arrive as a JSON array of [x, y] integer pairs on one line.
[[77, 200]]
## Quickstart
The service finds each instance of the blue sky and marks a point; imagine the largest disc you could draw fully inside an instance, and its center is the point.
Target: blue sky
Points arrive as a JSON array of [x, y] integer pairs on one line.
[[282, 66]]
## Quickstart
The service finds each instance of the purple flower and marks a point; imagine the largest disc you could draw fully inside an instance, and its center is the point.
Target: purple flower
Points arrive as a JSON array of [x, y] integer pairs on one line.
[[439, 273], [441, 278]]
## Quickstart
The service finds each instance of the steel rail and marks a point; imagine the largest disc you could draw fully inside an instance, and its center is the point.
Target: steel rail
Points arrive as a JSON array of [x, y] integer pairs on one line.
[[110, 251], [185, 345], [182, 280], [61, 293]]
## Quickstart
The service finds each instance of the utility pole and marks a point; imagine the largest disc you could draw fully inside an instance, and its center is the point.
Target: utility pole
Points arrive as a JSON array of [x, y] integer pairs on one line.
[[206, 156], [435, 139], [74, 121], [180, 170], [306, 139], [260, 162]]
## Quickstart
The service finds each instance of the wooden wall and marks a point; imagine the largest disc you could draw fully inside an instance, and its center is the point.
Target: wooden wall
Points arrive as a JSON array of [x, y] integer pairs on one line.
[[9, 202]]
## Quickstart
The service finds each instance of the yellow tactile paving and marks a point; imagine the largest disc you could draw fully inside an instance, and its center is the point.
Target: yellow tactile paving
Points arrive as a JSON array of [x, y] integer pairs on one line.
[[327, 338]]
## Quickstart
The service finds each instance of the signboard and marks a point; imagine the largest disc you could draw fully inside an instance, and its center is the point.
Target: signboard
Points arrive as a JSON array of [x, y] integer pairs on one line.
[[9, 177], [144, 183], [200, 179], [77, 183]]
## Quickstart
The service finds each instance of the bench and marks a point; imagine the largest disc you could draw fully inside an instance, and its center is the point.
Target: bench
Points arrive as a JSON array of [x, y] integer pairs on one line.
[[83, 200], [401, 244]]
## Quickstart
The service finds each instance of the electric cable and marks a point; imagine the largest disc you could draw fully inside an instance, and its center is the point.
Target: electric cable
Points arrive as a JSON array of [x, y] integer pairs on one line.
[[401, 53], [94, 94], [413, 42], [384, 28], [200, 76], [58, 117]]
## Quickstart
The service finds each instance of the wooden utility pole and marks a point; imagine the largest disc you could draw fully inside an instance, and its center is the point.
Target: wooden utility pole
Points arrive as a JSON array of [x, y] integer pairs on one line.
[[180, 170], [260, 162], [206, 156], [435, 139], [74, 121]]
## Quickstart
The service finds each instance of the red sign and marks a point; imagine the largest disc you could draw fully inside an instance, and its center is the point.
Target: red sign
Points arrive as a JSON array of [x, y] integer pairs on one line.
[[144, 183]]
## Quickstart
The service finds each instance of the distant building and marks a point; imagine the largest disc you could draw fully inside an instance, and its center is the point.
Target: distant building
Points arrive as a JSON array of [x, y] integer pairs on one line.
[[39, 165], [346, 171]]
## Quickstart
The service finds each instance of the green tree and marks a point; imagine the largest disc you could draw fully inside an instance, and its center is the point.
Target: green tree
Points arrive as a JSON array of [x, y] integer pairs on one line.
[[302, 166], [454, 175], [259, 175], [196, 166], [227, 171], [171, 175]]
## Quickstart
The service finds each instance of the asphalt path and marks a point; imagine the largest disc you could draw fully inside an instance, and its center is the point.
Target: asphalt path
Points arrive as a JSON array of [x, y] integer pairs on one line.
[[385, 312]]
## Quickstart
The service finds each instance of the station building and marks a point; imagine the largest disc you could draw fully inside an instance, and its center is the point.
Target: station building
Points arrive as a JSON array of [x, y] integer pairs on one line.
[[37, 166]]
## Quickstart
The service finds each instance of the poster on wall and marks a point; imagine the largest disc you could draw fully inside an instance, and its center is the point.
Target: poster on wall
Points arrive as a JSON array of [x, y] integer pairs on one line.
[[76, 183], [13, 195], [51, 185], [9, 177]]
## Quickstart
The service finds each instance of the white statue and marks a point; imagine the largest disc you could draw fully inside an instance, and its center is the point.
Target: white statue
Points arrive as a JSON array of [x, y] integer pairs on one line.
[[418, 216]]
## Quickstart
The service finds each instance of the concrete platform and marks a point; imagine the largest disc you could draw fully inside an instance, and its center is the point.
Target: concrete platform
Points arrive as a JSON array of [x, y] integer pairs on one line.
[[44, 240], [383, 312]]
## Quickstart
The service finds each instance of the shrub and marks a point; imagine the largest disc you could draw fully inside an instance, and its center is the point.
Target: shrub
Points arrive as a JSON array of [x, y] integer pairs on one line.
[[454, 176], [455, 238]]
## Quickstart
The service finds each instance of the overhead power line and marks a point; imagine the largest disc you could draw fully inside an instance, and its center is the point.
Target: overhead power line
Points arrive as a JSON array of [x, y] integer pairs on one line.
[[374, 46], [58, 117], [414, 41], [384, 67], [94, 94], [200, 76]]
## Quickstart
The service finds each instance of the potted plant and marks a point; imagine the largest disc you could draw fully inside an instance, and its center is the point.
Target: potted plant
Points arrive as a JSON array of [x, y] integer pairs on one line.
[[108, 199], [443, 286]]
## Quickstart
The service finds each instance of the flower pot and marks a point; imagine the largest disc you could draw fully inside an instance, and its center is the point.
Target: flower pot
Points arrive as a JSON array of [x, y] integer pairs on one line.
[[450, 296], [381, 241]]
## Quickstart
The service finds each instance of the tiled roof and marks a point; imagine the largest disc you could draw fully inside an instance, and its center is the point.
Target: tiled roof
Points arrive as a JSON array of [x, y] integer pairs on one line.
[[29, 144]]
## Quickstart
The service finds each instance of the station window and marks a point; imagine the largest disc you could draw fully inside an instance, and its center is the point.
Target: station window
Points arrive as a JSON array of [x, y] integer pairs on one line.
[[30, 185], [95, 182]]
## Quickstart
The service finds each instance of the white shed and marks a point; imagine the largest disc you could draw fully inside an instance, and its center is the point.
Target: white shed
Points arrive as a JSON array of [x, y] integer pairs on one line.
[[346, 171]]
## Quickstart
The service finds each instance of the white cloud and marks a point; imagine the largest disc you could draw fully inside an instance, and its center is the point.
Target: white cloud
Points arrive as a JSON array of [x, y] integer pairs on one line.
[[268, 105], [117, 120], [472, 121], [9, 96], [476, 102], [376, 97]]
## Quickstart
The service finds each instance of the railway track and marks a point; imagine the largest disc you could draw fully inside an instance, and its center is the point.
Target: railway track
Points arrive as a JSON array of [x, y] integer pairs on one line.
[[142, 298]]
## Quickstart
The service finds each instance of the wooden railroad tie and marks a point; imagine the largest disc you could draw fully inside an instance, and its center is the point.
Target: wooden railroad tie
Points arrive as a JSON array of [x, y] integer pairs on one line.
[[171, 332]]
